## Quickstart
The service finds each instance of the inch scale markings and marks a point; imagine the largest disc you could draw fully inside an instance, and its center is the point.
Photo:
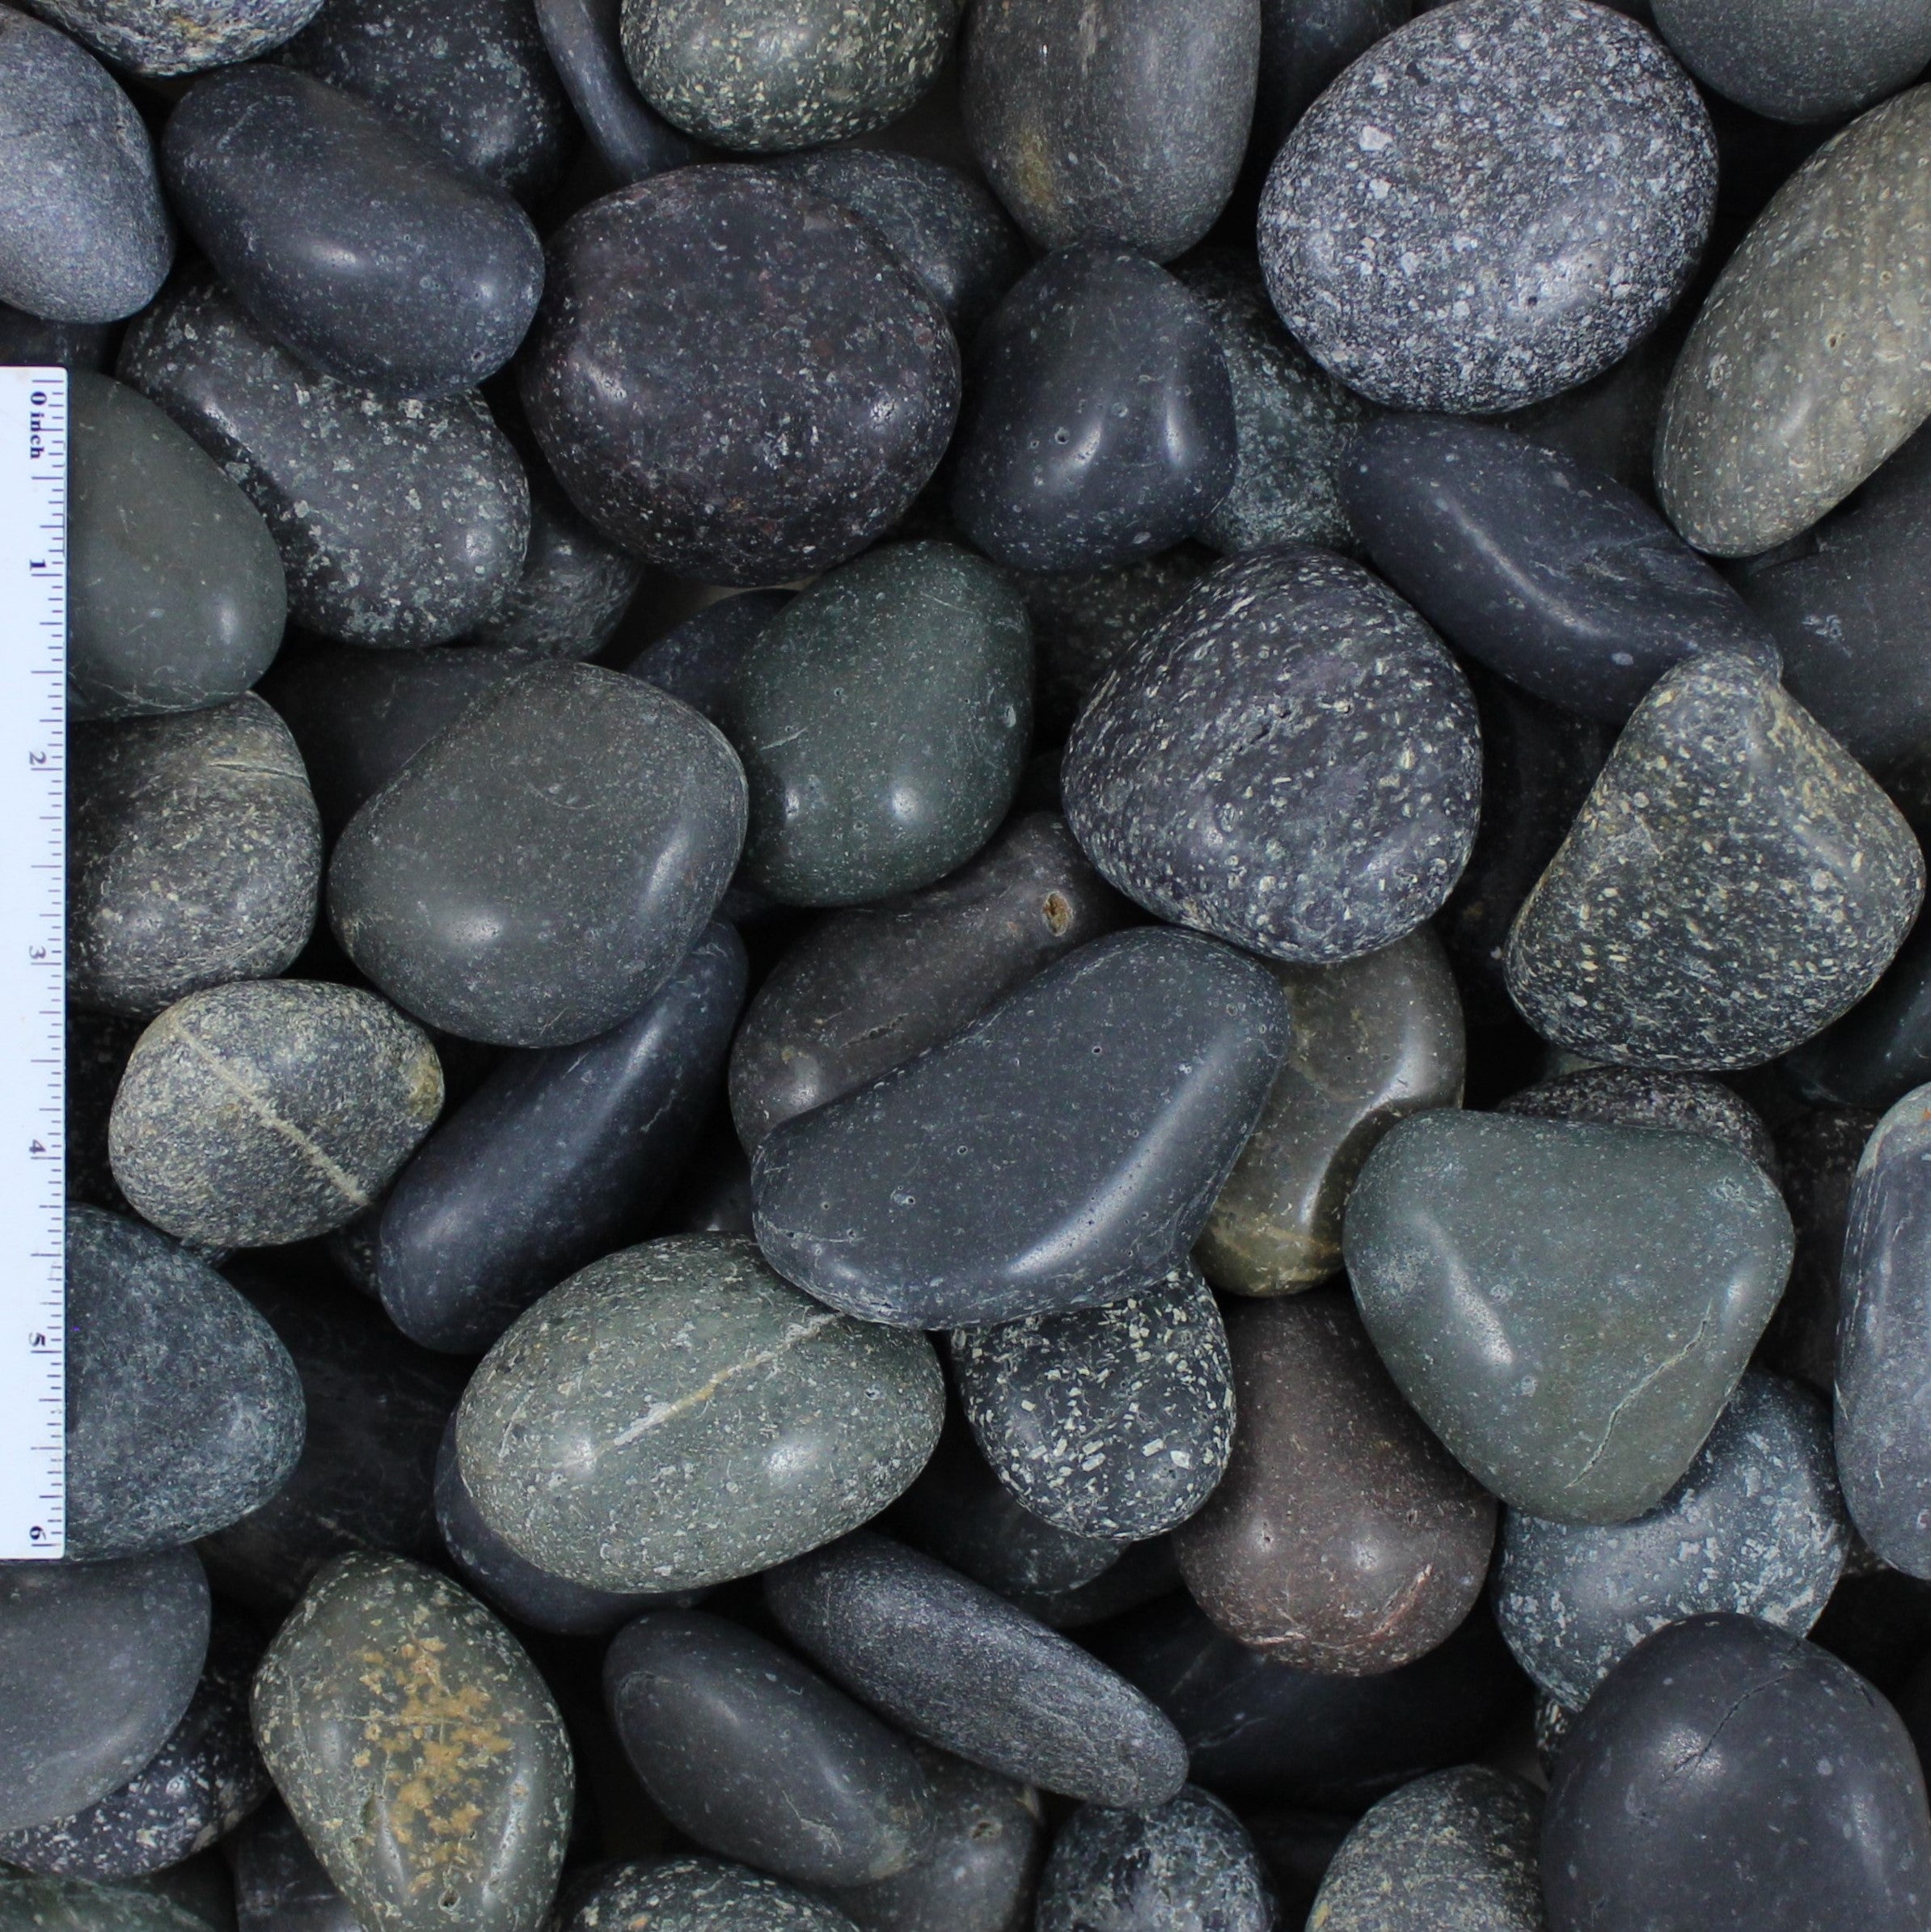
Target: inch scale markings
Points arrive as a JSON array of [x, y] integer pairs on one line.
[[33, 913]]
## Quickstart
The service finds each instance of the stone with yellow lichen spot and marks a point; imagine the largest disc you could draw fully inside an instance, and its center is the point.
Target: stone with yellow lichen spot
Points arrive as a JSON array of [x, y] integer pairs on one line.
[[418, 1749]]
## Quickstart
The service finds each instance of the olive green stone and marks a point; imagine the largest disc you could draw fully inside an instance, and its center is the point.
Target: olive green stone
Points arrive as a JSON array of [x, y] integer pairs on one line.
[[1810, 360], [883, 719], [76, 1905], [420, 1751], [1375, 1039], [675, 1415]]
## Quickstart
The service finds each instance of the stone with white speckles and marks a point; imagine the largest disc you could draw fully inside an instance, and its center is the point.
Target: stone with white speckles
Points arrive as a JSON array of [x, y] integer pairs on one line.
[[1636, 1096], [179, 36], [1289, 761], [1113, 1422], [695, 1895], [1756, 1526], [1493, 204], [1733, 883]]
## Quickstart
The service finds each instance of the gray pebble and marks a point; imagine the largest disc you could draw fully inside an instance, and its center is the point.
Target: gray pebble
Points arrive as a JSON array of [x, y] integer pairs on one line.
[[179, 36], [1799, 59]]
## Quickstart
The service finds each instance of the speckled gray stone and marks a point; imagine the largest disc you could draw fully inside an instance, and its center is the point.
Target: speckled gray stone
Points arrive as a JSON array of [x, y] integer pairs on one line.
[[1215, 777], [1121, 123], [964, 1670], [1568, 1307], [575, 588], [716, 1420], [270, 1110], [175, 598], [184, 1410], [1635, 1096], [399, 523], [533, 876], [1734, 883], [195, 858], [1494, 204], [1453, 1852], [1798, 60], [178, 36], [695, 1895], [418, 1749], [99, 1662], [757, 454], [1824, 304], [78, 1905], [631, 140], [1756, 1526], [1292, 421], [470, 75], [1115, 1422]]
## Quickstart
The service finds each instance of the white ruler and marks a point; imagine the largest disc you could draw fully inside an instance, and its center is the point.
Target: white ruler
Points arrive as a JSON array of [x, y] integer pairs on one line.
[[33, 911]]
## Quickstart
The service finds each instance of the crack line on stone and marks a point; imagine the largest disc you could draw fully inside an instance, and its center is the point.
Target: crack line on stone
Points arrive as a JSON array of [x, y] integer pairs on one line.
[[659, 1413], [1623, 1402]]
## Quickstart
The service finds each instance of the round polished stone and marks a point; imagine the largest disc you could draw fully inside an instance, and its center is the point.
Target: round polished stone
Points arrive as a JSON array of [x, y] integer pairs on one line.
[[179, 36], [1798, 60]]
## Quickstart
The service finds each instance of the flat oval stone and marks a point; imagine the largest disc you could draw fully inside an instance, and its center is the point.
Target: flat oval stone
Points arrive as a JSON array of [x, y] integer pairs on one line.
[[84, 236], [631, 140], [714, 1719], [1293, 422], [348, 237], [399, 524], [854, 802], [1792, 59], [1493, 205], [1374, 1040], [184, 1410], [575, 588], [966, 1670], [470, 75], [1732, 884], [377, 1407], [203, 1781], [1568, 1307], [1824, 303], [1756, 1526], [1191, 1862], [270, 1110], [783, 73], [195, 856], [697, 1895], [98, 1664], [656, 422], [717, 1422], [1113, 1421], [78, 1905], [1214, 776], [1455, 1852], [553, 1158], [1099, 425], [174, 597], [1130, 130], [940, 223], [534, 875], [179, 36], [1550, 572], [1634, 1097], [958, 1190], [438, 1789], [279, 1884], [1343, 1539], [1813, 1811], [869, 988]]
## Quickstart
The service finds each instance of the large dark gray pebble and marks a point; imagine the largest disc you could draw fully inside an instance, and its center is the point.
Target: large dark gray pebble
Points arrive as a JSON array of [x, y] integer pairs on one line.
[[270, 1110], [1494, 204], [195, 856], [754, 455], [1732, 884], [1099, 422], [83, 235], [99, 1662], [553, 1158], [175, 598], [964, 1670], [1549, 572], [165, 37], [575, 588], [960, 1189], [716, 1720], [184, 1410], [695, 1895], [399, 523], [533, 876], [348, 237], [1634, 1097], [1124, 124], [1220, 776], [1730, 1776], [631, 139]]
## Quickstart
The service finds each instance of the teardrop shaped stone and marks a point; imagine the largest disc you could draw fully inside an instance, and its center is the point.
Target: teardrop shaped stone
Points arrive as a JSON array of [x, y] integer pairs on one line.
[[930, 1200], [676, 1416], [418, 1749], [1568, 1307]]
